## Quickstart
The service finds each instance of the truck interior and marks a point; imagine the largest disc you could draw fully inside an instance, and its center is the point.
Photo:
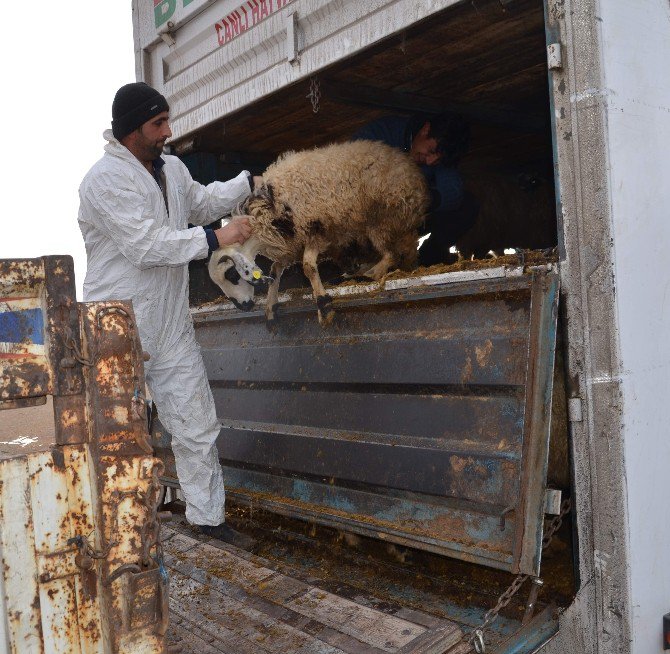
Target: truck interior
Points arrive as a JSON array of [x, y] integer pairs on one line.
[[486, 60]]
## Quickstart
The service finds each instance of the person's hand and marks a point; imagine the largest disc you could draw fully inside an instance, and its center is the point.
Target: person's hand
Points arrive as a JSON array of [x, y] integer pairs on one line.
[[238, 230], [258, 181]]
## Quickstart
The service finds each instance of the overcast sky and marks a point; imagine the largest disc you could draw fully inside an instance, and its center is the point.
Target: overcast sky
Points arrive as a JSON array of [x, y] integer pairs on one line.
[[62, 64]]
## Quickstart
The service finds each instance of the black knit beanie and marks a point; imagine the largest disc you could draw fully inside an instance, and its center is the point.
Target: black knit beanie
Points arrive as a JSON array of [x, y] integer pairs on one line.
[[133, 105]]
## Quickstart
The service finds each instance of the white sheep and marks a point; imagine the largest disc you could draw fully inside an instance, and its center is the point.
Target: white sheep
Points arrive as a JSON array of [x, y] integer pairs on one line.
[[317, 204]]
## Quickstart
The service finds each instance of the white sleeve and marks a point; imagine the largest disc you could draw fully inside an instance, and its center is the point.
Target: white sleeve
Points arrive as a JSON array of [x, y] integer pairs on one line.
[[123, 214], [205, 204]]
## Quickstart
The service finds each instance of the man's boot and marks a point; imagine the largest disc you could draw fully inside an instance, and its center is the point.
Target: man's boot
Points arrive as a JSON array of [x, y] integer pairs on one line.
[[227, 534]]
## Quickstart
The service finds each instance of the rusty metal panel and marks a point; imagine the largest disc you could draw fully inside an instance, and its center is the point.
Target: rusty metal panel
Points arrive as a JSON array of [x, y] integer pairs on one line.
[[38, 319], [19, 562], [81, 569], [125, 474], [82, 517], [420, 416]]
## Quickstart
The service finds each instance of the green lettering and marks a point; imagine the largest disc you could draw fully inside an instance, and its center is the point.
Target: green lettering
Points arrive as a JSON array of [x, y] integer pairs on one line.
[[163, 11]]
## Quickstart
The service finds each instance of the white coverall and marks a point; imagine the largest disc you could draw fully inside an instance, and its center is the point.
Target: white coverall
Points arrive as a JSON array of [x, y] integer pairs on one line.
[[138, 251]]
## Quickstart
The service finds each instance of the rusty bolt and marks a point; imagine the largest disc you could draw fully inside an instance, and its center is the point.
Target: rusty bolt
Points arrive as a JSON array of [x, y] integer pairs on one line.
[[165, 516], [146, 356], [83, 561], [67, 362]]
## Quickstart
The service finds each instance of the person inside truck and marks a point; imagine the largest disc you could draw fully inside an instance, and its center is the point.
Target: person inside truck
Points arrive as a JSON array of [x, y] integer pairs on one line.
[[436, 143], [135, 208]]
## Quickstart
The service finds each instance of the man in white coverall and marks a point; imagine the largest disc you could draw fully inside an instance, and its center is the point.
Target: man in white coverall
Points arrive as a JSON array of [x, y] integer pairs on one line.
[[135, 207]]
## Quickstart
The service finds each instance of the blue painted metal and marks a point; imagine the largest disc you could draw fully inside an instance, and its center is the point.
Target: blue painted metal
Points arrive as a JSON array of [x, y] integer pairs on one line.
[[21, 325], [37, 308], [531, 636]]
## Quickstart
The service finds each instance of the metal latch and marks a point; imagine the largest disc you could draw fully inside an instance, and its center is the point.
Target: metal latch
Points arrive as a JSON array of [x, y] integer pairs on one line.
[[292, 50], [552, 501], [165, 33], [575, 409], [554, 56]]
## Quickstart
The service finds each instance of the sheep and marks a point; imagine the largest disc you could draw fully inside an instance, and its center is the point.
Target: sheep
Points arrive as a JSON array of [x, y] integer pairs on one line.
[[322, 203]]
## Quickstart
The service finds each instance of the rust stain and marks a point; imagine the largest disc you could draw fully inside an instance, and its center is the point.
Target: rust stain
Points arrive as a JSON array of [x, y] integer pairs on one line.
[[483, 353], [466, 375]]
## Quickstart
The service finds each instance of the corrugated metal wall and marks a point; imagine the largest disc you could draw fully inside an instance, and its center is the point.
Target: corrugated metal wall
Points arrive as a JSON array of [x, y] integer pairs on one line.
[[421, 416]]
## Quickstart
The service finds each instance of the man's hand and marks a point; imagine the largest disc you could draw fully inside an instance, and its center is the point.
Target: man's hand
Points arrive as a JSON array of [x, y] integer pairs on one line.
[[238, 230], [258, 181]]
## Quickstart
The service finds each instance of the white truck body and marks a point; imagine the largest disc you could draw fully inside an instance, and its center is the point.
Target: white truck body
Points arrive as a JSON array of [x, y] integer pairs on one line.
[[610, 98]]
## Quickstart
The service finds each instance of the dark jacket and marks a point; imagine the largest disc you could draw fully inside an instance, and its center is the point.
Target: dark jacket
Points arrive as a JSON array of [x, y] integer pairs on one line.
[[445, 183]]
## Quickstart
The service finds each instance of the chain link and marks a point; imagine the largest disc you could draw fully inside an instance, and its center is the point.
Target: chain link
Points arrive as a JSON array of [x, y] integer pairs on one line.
[[71, 345], [314, 93], [556, 523], [84, 546], [476, 636], [151, 529]]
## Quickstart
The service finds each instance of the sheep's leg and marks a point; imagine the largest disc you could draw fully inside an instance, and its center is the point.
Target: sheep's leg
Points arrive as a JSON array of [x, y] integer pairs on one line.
[[323, 300], [379, 270], [359, 272], [273, 293]]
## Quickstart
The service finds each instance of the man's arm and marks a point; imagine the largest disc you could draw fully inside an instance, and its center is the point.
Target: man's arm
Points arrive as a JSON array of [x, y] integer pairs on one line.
[[237, 230], [125, 217], [206, 204]]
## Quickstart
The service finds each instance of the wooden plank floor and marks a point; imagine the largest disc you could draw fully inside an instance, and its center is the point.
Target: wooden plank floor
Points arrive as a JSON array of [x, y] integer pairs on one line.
[[223, 599]]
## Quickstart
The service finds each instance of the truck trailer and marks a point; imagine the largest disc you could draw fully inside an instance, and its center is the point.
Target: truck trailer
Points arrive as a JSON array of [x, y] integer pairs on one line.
[[470, 458], [389, 424]]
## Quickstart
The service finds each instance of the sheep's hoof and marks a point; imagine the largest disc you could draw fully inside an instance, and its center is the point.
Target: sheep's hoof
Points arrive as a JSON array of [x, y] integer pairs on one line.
[[325, 309]]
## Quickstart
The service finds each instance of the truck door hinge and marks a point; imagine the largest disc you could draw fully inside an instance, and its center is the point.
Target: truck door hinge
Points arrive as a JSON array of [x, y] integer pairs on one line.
[[292, 50], [575, 409], [554, 56], [165, 33]]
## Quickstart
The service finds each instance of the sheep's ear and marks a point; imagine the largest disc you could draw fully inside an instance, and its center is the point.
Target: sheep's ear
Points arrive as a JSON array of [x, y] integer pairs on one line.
[[225, 258], [266, 193]]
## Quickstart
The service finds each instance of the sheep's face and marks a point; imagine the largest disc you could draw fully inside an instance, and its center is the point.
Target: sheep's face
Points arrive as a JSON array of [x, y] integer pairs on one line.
[[236, 275]]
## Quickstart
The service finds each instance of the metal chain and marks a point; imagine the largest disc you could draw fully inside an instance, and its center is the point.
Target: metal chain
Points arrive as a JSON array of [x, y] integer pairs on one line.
[[71, 345], [151, 529], [314, 93], [139, 403], [556, 523], [84, 546], [476, 636]]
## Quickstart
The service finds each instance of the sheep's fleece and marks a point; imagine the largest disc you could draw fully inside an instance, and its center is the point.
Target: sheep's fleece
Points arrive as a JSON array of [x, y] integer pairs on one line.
[[136, 251]]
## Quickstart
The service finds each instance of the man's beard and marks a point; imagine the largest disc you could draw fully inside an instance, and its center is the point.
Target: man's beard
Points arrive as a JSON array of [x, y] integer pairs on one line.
[[155, 150]]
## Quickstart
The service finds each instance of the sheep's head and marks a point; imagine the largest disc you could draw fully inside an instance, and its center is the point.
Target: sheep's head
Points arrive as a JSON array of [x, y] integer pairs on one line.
[[236, 275]]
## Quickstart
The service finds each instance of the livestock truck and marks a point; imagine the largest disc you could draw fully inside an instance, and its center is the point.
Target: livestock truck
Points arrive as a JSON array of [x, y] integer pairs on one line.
[[423, 416], [470, 457]]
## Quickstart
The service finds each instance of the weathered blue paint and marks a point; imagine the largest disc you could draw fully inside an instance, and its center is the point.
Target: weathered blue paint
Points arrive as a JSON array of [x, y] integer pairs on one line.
[[530, 638], [21, 326]]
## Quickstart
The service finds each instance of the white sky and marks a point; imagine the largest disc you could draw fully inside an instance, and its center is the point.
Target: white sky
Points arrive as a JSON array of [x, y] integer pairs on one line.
[[62, 64]]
